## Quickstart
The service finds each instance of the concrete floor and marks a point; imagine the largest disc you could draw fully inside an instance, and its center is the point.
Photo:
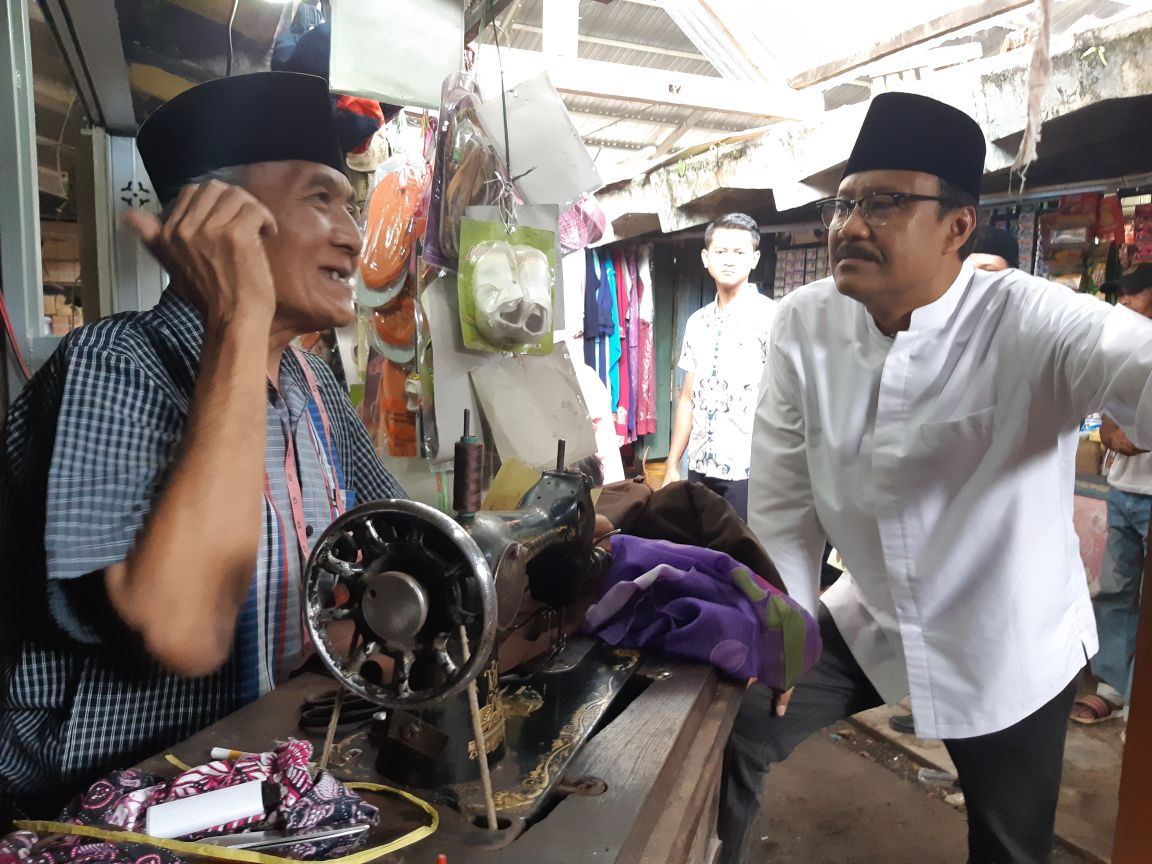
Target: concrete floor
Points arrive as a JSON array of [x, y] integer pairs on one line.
[[844, 798], [1089, 795]]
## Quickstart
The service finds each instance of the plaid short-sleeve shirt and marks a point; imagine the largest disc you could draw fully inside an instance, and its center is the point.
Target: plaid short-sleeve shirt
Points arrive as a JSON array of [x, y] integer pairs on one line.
[[88, 447]]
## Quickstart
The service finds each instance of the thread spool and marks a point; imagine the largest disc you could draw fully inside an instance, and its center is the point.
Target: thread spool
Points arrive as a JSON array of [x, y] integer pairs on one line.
[[468, 471]]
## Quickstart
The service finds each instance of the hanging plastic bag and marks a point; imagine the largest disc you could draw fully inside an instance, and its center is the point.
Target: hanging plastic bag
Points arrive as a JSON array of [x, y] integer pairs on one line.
[[393, 333], [468, 170], [390, 222]]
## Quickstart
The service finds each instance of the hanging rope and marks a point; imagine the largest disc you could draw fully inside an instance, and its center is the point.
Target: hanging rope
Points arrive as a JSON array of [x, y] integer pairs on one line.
[[505, 199], [1039, 75], [503, 89]]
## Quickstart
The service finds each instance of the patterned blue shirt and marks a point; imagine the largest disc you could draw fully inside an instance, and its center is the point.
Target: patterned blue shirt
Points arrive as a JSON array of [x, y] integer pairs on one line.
[[88, 446]]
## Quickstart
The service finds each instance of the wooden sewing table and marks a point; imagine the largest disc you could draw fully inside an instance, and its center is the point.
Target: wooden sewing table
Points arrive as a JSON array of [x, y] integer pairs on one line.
[[659, 760]]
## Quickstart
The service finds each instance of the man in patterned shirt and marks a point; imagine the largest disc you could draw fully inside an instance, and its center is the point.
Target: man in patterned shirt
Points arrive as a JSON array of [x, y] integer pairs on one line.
[[164, 475], [725, 347]]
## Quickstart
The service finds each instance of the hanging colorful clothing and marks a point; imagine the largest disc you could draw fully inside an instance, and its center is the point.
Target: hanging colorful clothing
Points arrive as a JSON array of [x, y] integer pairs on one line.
[[623, 286], [591, 308], [633, 343], [646, 401], [606, 308]]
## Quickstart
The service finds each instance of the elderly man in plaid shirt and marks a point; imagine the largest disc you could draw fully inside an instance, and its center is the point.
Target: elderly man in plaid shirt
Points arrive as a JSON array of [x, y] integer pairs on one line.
[[165, 474]]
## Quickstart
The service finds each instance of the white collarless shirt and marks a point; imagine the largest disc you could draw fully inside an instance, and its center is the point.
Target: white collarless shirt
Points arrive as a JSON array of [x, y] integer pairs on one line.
[[940, 463], [726, 350]]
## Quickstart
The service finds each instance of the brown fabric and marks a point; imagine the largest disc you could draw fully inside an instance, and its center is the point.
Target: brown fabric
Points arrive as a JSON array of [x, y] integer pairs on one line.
[[688, 513], [620, 503]]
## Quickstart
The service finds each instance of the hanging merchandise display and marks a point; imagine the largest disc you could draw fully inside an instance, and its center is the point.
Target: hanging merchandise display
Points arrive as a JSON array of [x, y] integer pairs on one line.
[[1142, 234], [646, 388], [1026, 232], [388, 410], [1068, 236], [393, 331], [421, 348], [390, 222], [507, 281], [468, 170], [799, 265], [617, 335], [1107, 239], [512, 293], [1081, 242], [581, 224], [395, 216], [421, 383]]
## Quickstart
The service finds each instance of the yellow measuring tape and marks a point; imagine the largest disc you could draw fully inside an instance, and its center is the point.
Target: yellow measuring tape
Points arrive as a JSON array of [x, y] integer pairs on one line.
[[208, 850]]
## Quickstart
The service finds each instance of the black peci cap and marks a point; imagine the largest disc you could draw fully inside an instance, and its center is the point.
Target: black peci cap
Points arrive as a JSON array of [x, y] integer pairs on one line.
[[262, 117], [1138, 279], [908, 132], [997, 241]]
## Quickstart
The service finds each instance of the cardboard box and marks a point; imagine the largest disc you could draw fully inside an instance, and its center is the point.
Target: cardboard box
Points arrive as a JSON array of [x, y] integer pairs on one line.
[[1089, 457]]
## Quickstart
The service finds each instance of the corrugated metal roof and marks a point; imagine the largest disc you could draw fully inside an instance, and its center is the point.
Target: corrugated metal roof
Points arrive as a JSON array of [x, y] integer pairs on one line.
[[644, 35], [782, 41], [640, 23]]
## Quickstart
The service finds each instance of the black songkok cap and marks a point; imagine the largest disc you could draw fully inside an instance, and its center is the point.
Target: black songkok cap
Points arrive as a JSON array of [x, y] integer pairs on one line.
[[262, 117], [1138, 279], [997, 241], [909, 132]]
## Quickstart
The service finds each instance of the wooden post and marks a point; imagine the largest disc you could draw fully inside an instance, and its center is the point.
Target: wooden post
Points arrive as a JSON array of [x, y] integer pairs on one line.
[[1133, 835]]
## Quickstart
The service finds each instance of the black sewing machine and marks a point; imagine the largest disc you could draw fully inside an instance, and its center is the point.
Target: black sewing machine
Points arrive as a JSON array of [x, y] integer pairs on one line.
[[406, 607]]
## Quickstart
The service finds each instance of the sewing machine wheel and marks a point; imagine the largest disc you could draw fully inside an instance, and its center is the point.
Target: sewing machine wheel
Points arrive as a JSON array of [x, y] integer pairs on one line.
[[400, 578]]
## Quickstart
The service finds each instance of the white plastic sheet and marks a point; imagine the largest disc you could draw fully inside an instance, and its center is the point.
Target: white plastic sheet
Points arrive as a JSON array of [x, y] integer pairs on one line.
[[398, 51], [545, 151], [532, 402]]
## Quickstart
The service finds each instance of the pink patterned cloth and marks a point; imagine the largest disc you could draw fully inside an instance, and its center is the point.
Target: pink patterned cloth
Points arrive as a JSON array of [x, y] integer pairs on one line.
[[121, 799]]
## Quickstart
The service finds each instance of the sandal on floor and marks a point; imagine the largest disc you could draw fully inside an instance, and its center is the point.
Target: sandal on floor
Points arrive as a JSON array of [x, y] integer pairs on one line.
[[1092, 709]]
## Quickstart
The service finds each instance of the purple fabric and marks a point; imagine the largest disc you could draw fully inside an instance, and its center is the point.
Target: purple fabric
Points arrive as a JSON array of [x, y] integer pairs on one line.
[[705, 605]]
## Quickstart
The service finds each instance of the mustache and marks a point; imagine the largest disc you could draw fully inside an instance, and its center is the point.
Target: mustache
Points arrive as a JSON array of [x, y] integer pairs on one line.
[[852, 250]]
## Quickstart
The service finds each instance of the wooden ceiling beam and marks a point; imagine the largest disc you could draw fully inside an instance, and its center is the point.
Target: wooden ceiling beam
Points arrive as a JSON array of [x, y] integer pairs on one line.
[[479, 13], [664, 147]]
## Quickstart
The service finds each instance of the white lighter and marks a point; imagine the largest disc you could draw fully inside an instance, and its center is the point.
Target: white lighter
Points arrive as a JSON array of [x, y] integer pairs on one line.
[[219, 807]]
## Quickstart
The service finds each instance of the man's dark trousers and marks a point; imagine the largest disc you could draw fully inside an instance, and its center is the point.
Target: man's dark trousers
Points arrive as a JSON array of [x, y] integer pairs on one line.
[[1010, 779], [735, 492]]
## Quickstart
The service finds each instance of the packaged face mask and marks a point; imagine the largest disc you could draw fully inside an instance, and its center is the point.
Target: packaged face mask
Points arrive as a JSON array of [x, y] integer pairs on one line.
[[512, 289], [507, 287]]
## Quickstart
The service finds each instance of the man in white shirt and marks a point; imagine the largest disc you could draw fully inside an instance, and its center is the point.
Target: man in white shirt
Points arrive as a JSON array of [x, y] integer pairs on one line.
[[918, 413], [723, 355], [1117, 605], [995, 250]]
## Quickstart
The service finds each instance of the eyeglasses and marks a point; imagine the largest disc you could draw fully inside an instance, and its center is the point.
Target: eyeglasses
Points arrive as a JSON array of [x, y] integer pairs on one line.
[[877, 208]]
